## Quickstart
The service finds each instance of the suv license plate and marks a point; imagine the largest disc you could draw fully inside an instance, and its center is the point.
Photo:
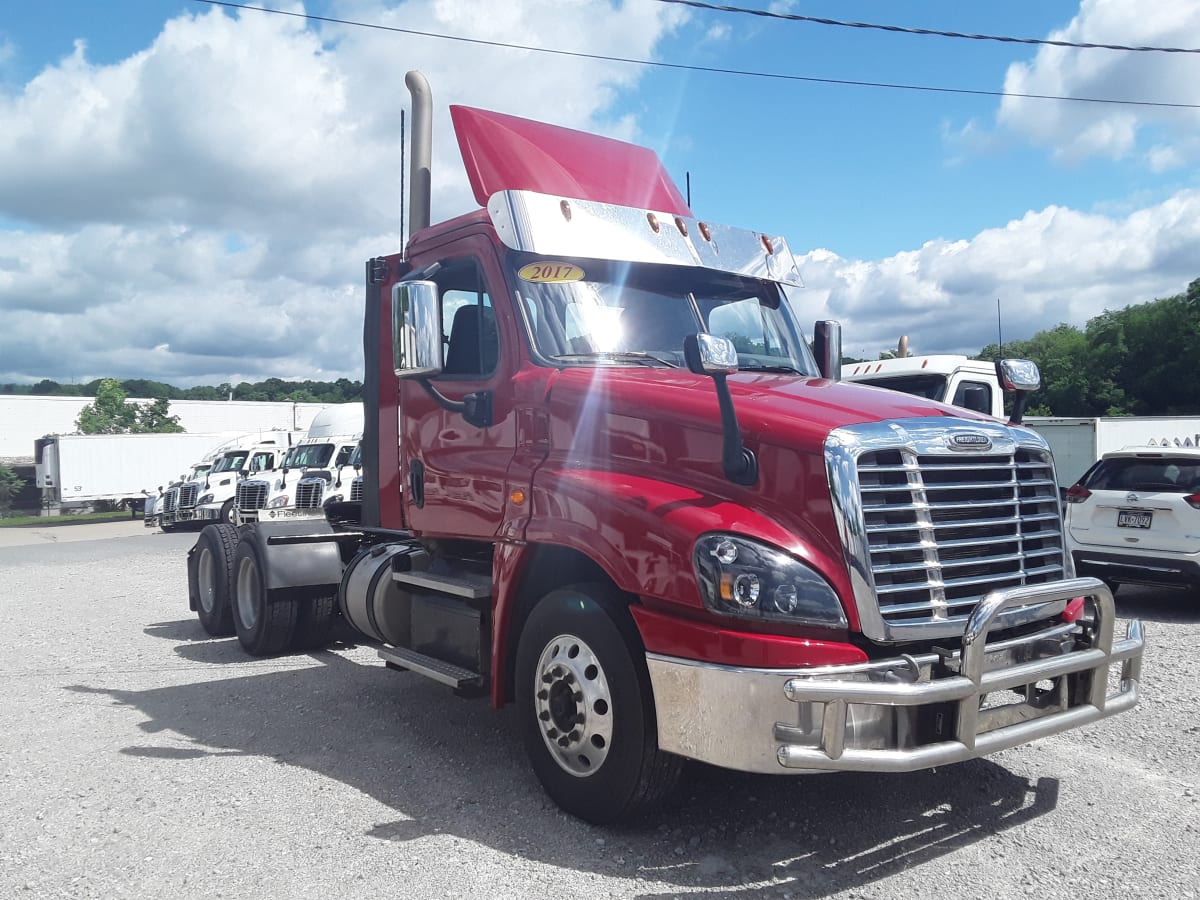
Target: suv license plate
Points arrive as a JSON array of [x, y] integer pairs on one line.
[[1127, 518]]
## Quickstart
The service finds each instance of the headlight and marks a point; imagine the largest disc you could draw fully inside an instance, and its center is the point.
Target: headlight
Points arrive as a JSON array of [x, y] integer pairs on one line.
[[276, 502], [207, 498], [741, 577]]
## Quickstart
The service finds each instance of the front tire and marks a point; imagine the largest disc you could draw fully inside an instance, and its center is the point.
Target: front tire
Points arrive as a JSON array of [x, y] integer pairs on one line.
[[586, 708], [210, 579], [264, 624], [227, 513]]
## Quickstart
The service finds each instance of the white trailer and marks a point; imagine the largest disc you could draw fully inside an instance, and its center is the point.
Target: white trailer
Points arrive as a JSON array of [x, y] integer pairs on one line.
[[86, 468], [1078, 442]]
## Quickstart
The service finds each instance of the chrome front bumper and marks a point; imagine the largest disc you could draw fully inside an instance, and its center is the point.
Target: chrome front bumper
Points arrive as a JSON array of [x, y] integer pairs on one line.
[[909, 712]]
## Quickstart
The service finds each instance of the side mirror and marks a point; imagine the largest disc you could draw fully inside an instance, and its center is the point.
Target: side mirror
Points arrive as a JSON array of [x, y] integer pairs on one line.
[[710, 355], [416, 330], [827, 347], [1018, 374], [1022, 376]]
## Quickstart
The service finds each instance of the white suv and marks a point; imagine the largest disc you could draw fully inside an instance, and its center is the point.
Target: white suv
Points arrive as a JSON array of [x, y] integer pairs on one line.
[[1134, 516]]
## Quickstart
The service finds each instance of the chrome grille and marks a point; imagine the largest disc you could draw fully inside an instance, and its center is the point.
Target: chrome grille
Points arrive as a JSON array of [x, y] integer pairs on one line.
[[356, 489], [170, 500], [931, 528], [187, 495], [308, 493], [252, 494]]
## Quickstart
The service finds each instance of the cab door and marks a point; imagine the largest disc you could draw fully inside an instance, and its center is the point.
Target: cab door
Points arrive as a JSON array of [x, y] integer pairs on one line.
[[453, 472]]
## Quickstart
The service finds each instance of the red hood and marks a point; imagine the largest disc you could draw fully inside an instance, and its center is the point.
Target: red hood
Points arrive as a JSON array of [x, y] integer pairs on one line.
[[782, 410]]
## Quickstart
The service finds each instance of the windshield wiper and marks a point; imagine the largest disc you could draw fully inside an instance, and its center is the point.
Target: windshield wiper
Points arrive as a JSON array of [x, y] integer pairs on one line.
[[783, 370], [638, 356]]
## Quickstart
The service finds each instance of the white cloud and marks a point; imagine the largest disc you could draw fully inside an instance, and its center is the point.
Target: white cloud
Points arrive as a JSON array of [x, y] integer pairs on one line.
[[1050, 266], [1078, 130], [200, 211]]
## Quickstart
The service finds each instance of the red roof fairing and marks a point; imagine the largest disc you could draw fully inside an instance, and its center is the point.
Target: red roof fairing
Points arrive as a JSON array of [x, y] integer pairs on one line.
[[504, 153]]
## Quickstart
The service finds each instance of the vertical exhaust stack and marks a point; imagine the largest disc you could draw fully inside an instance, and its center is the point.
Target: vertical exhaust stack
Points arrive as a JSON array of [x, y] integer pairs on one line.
[[422, 151]]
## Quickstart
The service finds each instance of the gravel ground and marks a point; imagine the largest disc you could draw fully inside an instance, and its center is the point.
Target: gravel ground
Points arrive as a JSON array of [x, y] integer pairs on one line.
[[139, 758]]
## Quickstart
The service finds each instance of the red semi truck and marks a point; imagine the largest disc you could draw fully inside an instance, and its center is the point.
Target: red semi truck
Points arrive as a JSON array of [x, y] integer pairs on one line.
[[606, 479]]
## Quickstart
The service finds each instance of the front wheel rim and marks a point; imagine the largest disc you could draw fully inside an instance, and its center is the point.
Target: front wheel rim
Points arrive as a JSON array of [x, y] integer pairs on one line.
[[248, 593], [573, 705]]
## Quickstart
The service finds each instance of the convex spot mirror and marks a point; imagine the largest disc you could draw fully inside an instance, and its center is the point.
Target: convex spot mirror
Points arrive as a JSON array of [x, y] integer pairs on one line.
[[416, 330], [1018, 375], [707, 354]]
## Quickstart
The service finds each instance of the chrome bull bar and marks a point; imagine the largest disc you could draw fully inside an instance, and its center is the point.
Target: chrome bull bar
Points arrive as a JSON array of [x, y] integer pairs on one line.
[[1079, 692]]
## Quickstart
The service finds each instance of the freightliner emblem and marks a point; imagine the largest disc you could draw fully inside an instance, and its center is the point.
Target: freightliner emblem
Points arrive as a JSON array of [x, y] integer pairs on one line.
[[969, 441]]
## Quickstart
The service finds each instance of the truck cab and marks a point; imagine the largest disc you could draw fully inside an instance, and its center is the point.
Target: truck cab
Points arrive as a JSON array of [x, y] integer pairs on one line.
[[957, 380]]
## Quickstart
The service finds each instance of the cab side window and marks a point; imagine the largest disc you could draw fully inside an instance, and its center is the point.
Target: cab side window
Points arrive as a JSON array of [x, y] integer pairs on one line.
[[976, 395], [469, 334]]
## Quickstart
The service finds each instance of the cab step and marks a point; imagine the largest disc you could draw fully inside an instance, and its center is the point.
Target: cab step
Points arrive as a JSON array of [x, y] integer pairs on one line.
[[431, 667], [462, 584]]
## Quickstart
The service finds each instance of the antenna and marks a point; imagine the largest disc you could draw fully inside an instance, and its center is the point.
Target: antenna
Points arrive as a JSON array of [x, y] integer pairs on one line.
[[402, 181], [687, 180], [999, 328]]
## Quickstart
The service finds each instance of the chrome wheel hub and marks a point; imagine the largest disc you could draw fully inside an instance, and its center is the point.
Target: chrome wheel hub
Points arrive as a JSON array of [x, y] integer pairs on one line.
[[573, 705]]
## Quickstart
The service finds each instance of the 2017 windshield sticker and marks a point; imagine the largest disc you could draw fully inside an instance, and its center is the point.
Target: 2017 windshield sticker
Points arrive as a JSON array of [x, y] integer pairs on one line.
[[550, 272]]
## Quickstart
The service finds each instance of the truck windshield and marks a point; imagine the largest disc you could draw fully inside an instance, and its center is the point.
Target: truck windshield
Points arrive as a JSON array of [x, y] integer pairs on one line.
[[639, 314], [231, 462], [310, 455], [931, 386]]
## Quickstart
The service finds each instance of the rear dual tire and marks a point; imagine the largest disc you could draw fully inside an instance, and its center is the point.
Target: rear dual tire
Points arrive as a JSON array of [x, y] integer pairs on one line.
[[270, 621], [210, 578]]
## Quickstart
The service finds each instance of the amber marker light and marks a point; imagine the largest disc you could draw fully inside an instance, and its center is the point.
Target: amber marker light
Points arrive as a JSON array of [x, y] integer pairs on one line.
[[517, 497], [566, 210], [767, 245], [681, 225], [653, 220]]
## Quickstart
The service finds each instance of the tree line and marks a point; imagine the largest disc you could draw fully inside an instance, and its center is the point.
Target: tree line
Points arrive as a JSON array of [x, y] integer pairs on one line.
[[1143, 360], [273, 389]]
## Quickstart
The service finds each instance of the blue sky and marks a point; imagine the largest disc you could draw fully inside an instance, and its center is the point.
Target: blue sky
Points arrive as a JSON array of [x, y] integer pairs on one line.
[[171, 171]]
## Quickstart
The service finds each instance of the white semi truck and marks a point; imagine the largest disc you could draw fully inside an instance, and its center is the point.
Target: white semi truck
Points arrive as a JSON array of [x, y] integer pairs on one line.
[[166, 501], [958, 380], [316, 471], [254, 452]]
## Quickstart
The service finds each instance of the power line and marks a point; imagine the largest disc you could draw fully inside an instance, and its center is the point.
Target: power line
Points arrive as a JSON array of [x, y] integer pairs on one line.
[[714, 70], [901, 29]]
